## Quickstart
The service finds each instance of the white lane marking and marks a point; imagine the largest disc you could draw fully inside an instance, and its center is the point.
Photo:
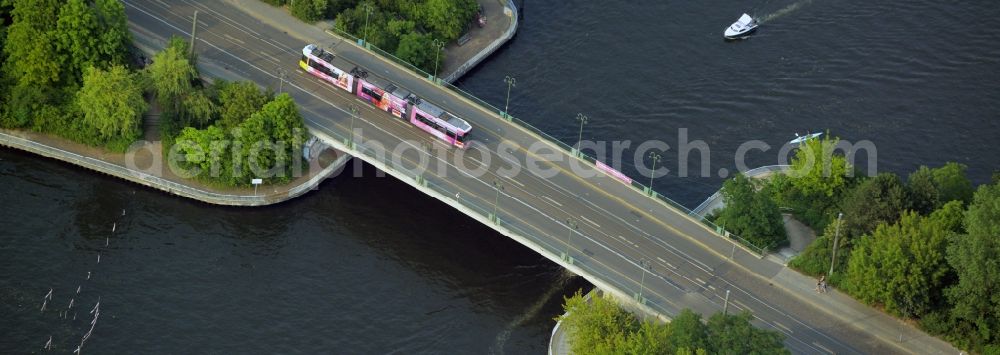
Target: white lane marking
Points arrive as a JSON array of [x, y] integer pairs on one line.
[[661, 260], [710, 287], [782, 326], [823, 347], [234, 39], [559, 204], [166, 5], [591, 222], [672, 266], [699, 280], [518, 183]]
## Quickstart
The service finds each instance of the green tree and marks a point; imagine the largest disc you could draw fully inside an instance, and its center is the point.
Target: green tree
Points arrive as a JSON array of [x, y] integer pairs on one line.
[[171, 74], [688, 331], [271, 140], [31, 43], [114, 38], [924, 195], [418, 49], [750, 214], [815, 183], [197, 109], [876, 200], [309, 10], [596, 324], [204, 153], [903, 265], [733, 334], [817, 171], [931, 188], [448, 18], [976, 260], [952, 184], [78, 32], [238, 101], [112, 105]]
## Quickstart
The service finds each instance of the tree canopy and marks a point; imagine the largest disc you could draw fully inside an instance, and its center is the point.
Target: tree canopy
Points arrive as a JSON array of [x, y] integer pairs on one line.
[[601, 326], [902, 265], [876, 200], [112, 104], [47, 50], [172, 73], [975, 257], [750, 214]]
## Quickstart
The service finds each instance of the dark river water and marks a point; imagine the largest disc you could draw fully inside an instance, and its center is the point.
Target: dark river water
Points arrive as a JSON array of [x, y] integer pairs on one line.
[[362, 265]]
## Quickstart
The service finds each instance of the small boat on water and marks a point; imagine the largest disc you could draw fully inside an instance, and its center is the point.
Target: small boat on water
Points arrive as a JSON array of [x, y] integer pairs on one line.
[[741, 28], [801, 139]]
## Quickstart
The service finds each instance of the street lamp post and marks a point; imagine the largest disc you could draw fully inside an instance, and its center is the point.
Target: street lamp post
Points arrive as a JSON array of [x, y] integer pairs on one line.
[[836, 238], [499, 187], [350, 135], [573, 225], [437, 46], [644, 265], [281, 79], [368, 12], [652, 173], [579, 138], [511, 81]]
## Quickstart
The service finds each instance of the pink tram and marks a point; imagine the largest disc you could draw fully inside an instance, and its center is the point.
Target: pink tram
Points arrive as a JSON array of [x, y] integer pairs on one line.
[[385, 95]]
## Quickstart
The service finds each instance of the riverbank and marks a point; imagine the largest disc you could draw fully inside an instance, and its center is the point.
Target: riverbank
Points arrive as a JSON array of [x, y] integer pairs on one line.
[[141, 166]]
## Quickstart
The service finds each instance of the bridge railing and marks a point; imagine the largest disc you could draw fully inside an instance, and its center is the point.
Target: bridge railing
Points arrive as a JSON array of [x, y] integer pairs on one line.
[[760, 250]]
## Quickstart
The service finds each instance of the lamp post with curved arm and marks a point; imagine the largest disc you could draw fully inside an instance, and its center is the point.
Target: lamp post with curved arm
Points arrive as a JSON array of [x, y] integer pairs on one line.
[[579, 139], [438, 45], [655, 157], [511, 82]]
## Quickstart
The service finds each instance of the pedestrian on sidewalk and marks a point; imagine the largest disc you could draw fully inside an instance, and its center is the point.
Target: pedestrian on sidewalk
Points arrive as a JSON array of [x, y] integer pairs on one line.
[[821, 284]]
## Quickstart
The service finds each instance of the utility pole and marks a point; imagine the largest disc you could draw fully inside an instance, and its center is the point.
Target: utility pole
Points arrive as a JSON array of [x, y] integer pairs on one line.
[[836, 239], [579, 139], [368, 12], [350, 135], [652, 173], [725, 308], [499, 187], [644, 265], [572, 226], [194, 31], [281, 79], [511, 81], [438, 45]]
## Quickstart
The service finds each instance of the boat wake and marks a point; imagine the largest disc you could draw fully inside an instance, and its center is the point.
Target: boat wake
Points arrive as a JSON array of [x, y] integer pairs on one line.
[[785, 11], [531, 312]]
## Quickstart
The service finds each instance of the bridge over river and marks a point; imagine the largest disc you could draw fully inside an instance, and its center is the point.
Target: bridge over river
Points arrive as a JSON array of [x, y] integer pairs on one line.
[[616, 233]]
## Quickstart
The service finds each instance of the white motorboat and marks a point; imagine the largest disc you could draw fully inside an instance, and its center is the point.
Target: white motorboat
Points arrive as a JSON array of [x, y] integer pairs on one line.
[[801, 139], [741, 28]]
